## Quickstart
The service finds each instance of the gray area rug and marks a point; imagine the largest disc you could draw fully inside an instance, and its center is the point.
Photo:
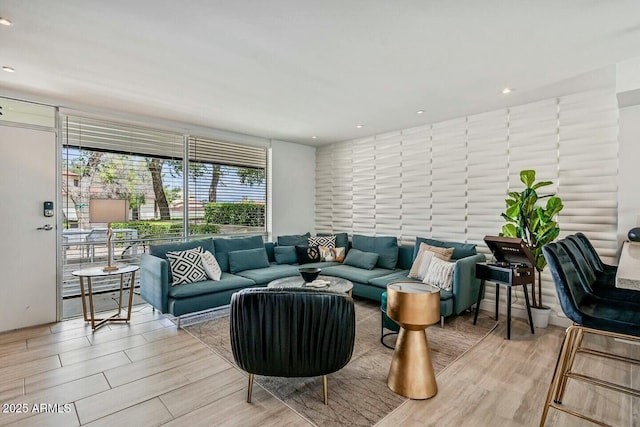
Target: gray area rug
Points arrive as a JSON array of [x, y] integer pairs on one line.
[[358, 394]]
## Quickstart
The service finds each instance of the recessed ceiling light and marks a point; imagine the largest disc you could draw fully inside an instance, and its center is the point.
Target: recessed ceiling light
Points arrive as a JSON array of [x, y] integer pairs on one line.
[[359, 126], [314, 137], [5, 21], [420, 112], [8, 69], [507, 90]]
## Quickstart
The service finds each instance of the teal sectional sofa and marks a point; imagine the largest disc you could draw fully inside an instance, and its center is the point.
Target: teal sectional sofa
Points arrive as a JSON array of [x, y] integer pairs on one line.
[[243, 265]]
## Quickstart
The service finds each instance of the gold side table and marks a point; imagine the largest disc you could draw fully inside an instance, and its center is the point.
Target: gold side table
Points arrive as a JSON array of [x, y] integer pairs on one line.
[[90, 273], [414, 306]]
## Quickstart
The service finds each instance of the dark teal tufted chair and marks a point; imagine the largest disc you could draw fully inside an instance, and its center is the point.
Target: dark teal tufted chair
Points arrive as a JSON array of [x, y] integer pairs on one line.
[[291, 333]]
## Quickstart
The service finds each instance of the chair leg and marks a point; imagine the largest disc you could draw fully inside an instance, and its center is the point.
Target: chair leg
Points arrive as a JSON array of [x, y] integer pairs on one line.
[[250, 388], [442, 322], [555, 379], [575, 343], [325, 390]]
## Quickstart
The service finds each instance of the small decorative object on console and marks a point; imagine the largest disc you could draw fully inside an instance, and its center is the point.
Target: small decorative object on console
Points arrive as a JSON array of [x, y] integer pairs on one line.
[[309, 274], [318, 283], [634, 234]]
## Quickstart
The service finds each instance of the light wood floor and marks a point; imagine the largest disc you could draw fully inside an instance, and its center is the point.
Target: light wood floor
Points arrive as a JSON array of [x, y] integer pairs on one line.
[[150, 373]]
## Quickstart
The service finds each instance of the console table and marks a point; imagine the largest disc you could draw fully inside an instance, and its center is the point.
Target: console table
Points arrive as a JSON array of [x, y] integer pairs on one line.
[[509, 276]]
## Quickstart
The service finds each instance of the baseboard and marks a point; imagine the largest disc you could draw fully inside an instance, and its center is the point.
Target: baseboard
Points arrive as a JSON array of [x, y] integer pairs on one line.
[[556, 318]]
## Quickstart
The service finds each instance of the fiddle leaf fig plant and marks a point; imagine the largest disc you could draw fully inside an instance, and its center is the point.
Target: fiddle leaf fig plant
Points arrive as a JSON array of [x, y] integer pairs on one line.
[[532, 221]]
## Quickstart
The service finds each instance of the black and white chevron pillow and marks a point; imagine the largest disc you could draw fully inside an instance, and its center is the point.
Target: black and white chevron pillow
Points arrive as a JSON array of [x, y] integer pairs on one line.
[[326, 241], [186, 266]]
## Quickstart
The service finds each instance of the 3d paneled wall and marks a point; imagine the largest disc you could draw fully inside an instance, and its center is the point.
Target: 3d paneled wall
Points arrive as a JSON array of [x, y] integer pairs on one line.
[[449, 180]]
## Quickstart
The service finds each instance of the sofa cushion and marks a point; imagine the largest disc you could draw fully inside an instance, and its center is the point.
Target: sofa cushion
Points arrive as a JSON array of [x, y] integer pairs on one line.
[[396, 276], [423, 259], [225, 245], [307, 254], [332, 254], [226, 282], [248, 259], [161, 250], [355, 274], [186, 266], [385, 247], [294, 239], [325, 241], [211, 266], [460, 250], [262, 276], [360, 259], [321, 264], [440, 274], [342, 239], [270, 246], [285, 254]]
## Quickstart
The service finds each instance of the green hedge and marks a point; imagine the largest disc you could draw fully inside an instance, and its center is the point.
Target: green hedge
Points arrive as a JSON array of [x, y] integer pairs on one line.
[[165, 228], [249, 214]]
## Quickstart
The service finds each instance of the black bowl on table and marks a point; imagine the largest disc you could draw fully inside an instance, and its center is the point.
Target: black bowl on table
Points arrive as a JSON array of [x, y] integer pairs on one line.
[[309, 274]]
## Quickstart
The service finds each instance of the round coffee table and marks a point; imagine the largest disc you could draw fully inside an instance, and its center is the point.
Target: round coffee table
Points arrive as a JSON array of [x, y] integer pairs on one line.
[[336, 284], [414, 306]]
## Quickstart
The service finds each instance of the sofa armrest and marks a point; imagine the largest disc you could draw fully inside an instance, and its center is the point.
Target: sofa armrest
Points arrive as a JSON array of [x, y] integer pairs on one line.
[[154, 281], [465, 284]]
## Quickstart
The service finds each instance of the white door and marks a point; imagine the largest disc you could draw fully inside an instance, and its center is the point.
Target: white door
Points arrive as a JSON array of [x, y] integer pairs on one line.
[[27, 238]]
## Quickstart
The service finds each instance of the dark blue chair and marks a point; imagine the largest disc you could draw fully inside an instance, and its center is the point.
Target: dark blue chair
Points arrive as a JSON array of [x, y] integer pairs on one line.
[[591, 315], [291, 333], [589, 280], [605, 274]]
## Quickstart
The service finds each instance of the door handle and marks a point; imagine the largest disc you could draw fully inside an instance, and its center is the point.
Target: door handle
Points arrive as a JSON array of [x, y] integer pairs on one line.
[[46, 227]]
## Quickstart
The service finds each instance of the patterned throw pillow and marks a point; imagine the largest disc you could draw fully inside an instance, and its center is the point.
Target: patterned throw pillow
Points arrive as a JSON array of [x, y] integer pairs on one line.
[[442, 253], [331, 254], [326, 241], [307, 254], [211, 266], [186, 266], [440, 274]]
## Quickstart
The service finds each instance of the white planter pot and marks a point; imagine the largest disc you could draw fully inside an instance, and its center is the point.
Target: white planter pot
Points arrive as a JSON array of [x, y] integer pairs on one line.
[[540, 316]]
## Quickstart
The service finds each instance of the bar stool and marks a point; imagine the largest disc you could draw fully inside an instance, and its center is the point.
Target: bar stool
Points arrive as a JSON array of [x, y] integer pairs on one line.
[[589, 280], [591, 315]]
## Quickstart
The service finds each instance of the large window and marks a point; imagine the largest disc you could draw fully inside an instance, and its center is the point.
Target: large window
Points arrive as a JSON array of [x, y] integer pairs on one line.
[[220, 190]]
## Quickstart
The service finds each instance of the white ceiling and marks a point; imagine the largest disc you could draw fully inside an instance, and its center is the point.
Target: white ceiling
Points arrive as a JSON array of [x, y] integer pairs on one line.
[[292, 69]]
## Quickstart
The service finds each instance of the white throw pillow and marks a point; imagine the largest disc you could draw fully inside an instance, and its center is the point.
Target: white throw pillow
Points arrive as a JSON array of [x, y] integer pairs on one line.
[[442, 253], [425, 262], [211, 266], [440, 274]]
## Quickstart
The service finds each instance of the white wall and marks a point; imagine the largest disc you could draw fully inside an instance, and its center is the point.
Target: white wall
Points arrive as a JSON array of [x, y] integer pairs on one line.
[[293, 176], [629, 171]]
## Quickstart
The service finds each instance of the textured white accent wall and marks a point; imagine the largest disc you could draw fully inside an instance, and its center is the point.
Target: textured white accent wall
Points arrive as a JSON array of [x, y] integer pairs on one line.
[[449, 180]]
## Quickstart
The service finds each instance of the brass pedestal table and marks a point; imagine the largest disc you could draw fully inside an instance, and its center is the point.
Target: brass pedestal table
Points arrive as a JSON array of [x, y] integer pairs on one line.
[[414, 306]]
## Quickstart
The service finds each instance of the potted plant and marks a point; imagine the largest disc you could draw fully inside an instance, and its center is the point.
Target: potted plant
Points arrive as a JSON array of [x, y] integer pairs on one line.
[[535, 224]]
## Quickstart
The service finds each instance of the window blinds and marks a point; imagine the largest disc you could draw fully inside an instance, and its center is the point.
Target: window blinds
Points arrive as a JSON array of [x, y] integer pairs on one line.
[[112, 137]]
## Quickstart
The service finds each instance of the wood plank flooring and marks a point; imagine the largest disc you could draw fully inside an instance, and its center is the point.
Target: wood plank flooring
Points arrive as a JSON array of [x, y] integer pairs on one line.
[[150, 373]]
